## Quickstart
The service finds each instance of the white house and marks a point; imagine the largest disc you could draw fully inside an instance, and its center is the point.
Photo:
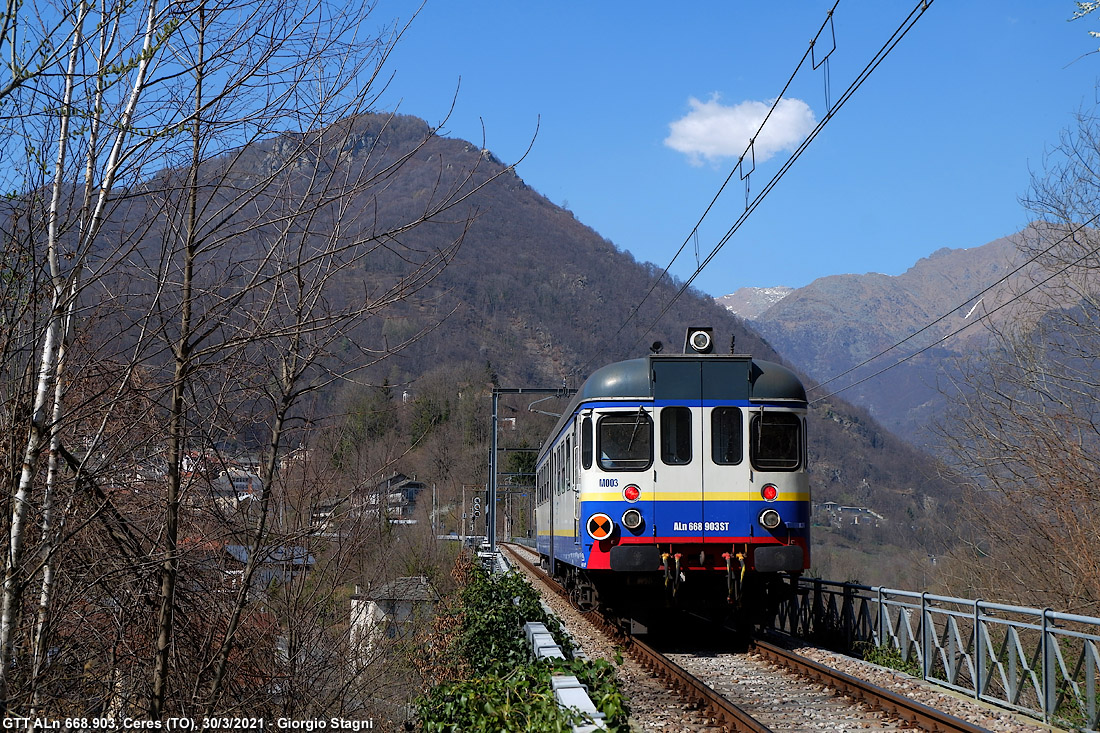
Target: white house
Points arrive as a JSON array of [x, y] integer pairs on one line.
[[391, 610]]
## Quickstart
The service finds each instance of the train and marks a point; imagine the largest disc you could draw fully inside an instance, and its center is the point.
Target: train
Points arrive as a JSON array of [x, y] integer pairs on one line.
[[678, 481]]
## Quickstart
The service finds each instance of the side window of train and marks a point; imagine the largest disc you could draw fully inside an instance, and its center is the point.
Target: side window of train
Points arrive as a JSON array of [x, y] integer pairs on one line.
[[559, 473], [553, 472], [776, 441], [676, 436], [625, 441], [569, 463], [726, 436], [586, 443], [561, 469]]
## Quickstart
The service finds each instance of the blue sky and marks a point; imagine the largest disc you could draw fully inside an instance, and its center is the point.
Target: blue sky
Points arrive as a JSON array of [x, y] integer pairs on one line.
[[637, 107]]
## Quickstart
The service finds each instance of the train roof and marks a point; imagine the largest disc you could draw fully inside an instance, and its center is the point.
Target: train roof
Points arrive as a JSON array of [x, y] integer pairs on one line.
[[737, 377]]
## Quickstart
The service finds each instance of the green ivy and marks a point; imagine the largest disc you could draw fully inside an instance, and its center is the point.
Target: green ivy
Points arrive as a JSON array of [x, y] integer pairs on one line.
[[521, 700], [496, 608], [603, 688], [504, 690]]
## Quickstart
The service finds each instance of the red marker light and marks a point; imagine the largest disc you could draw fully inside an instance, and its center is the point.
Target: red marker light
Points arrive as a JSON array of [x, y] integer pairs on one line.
[[631, 493], [769, 492]]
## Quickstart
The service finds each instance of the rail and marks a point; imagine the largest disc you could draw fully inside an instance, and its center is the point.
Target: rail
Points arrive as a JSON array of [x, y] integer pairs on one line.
[[722, 710], [917, 714], [1036, 661]]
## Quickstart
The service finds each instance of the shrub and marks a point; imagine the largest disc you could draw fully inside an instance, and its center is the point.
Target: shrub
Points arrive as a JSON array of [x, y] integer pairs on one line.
[[503, 690]]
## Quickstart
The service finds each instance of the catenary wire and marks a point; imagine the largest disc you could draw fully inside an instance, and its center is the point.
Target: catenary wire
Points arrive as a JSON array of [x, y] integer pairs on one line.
[[694, 232], [963, 327], [878, 58], [946, 315], [736, 167]]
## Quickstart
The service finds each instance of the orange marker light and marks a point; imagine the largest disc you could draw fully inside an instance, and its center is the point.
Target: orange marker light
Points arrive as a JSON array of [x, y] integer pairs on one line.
[[600, 526]]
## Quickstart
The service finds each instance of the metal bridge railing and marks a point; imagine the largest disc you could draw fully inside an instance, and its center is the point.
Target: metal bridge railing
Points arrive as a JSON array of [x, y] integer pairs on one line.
[[1036, 661]]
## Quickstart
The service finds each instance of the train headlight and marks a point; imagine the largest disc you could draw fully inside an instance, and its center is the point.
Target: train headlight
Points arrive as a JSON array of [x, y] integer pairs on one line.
[[769, 492], [769, 518], [632, 519], [631, 493], [699, 339]]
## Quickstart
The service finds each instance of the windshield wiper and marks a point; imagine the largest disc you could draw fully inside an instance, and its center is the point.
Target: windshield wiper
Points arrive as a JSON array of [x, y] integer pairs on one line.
[[637, 424]]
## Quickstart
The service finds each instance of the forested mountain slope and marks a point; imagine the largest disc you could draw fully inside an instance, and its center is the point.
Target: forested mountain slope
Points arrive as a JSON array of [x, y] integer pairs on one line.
[[543, 299], [503, 279]]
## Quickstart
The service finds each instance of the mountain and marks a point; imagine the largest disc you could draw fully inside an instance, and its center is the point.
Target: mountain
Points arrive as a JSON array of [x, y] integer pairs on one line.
[[544, 299], [517, 287], [837, 323], [749, 303]]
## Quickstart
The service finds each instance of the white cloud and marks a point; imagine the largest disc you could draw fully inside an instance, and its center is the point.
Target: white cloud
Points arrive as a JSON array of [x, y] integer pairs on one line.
[[713, 131]]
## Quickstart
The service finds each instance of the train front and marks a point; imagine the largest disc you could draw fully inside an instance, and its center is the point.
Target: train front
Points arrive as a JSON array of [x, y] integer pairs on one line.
[[693, 489]]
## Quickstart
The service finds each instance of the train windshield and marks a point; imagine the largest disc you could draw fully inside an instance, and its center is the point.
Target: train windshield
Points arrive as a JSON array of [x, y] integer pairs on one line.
[[625, 441], [776, 441]]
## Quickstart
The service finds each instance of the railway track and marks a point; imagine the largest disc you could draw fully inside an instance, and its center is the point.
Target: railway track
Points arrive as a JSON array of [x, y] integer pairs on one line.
[[742, 691], [718, 708], [918, 714]]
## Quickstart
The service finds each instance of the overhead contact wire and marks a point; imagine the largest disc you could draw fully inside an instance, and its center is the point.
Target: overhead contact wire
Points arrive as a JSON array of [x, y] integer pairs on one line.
[[946, 315], [737, 166], [877, 59], [962, 328]]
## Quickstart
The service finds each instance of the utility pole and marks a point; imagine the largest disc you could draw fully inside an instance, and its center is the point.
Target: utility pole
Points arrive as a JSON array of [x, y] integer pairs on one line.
[[491, 503]]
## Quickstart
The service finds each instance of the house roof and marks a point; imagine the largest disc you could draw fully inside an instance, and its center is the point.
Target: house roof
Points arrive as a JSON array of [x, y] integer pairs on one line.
[[416, 588], [282, 555], [399, 479]]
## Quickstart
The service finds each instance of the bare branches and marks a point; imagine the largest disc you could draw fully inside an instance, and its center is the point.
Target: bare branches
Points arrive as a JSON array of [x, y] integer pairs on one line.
[[202, 234], [1025, 433]]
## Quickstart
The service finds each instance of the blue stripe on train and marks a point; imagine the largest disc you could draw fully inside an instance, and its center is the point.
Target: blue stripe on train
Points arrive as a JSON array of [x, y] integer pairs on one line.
[[740, 516], [730, 518]]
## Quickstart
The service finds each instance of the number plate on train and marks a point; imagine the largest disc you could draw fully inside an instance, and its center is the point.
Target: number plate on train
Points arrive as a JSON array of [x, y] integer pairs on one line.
[[700, 526]]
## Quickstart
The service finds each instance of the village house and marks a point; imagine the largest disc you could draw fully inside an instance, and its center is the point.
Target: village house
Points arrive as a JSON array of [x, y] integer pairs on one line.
[[391, 611]]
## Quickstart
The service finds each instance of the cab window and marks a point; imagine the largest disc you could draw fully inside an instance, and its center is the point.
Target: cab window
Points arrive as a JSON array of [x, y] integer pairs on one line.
[[776, 441], [625, 441], [676, 436], [726, 436]]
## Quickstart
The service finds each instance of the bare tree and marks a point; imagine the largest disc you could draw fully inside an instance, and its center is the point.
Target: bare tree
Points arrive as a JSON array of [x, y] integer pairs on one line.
[[218, 186], [101, 81], [1025, 432]]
